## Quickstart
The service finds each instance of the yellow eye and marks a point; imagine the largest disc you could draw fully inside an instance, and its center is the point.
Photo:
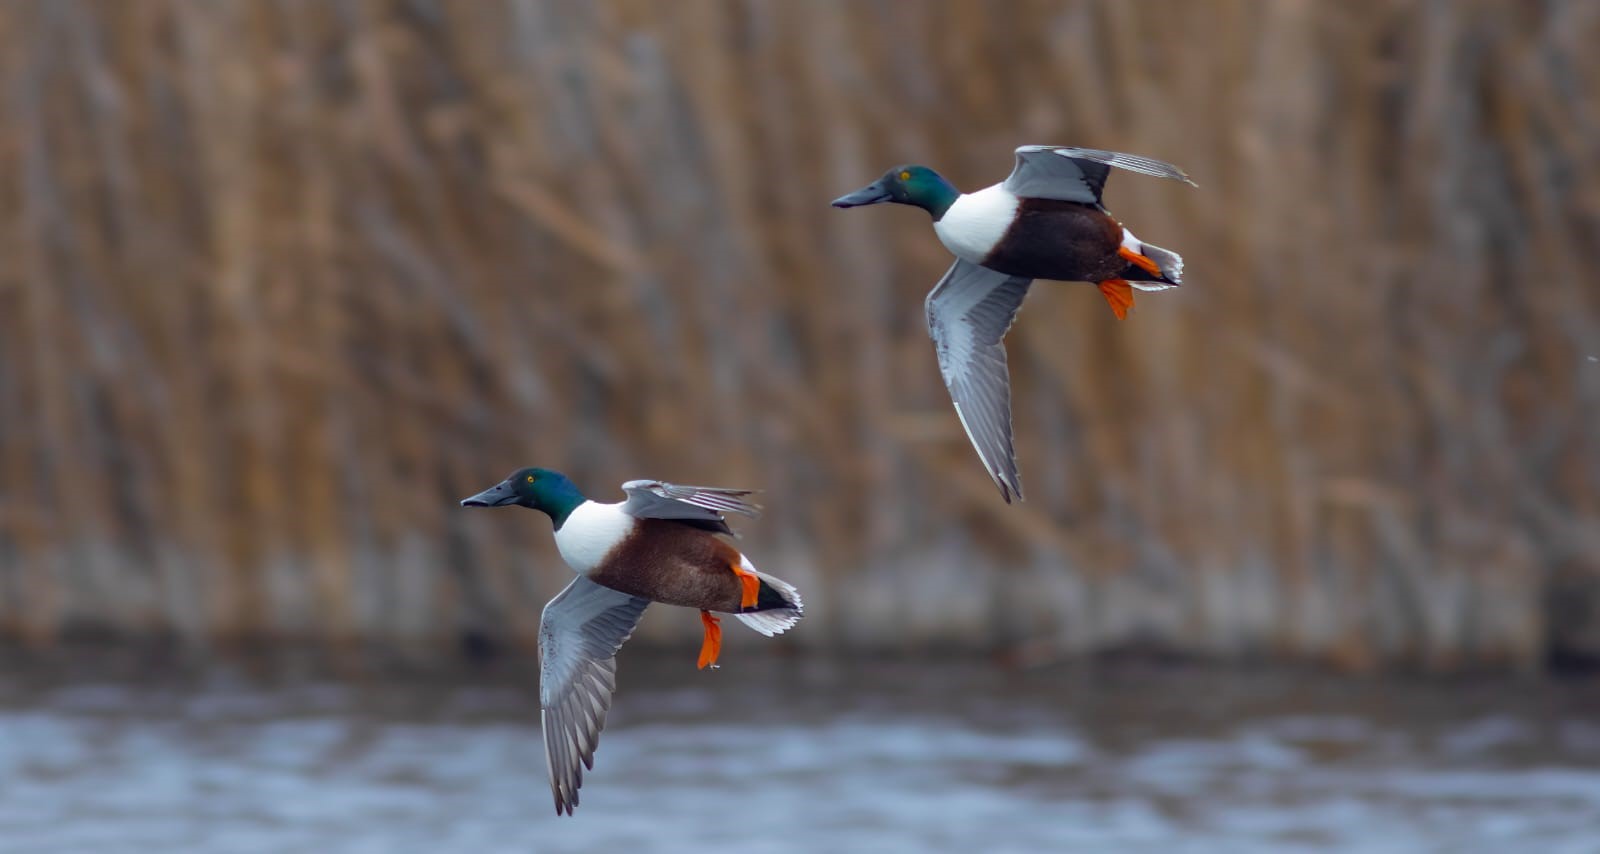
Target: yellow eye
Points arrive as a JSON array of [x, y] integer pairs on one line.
[[905, 176], [530, 478]]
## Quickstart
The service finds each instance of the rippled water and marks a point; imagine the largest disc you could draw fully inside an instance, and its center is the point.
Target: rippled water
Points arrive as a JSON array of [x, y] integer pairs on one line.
[[770, 755]]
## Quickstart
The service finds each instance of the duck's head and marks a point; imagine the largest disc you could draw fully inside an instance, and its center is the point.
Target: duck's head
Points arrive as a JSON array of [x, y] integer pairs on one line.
[[538, 489], [913, 185]]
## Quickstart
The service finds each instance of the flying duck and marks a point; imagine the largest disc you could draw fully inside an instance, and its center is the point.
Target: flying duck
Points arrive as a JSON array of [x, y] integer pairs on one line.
[[1044, 221], [661, 544]]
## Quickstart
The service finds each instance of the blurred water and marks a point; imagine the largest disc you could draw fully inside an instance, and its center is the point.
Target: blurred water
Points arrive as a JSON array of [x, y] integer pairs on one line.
[[769, 755]]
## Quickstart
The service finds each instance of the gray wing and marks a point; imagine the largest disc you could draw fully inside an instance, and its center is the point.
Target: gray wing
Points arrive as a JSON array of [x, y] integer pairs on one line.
[[969, 312], [653, 499], [1077, 174], [579, 635]]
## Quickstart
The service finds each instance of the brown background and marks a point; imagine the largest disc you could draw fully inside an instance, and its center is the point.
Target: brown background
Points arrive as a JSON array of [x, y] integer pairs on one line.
[[282, 281]]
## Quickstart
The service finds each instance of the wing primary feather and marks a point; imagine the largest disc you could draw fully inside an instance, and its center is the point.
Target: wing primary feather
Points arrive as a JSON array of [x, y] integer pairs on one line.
[[1131, 162], [969, 313], [1073, 174], [579, 635], [654, 499]]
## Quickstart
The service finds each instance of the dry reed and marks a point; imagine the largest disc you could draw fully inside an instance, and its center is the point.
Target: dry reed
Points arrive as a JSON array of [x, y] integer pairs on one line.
[[283, 280]]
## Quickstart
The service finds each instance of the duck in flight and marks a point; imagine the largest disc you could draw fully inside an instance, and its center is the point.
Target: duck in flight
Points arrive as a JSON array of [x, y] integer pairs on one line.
[[1044, 221], [661, 544]]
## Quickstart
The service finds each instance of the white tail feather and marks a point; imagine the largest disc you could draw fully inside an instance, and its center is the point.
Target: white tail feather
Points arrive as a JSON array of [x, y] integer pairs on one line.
[[1171, 264], [777, 620]]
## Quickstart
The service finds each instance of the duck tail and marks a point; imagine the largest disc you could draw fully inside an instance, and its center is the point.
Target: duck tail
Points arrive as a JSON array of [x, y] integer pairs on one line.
[[778, 606], [1142, 257], [1171, 264]]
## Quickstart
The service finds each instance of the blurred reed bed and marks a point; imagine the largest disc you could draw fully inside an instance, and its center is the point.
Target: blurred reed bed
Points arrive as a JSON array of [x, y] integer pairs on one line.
[[283, 280]]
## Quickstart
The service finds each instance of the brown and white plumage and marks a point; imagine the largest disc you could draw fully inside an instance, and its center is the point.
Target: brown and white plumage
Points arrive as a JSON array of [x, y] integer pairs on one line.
[[1044, 221], [662, 544]]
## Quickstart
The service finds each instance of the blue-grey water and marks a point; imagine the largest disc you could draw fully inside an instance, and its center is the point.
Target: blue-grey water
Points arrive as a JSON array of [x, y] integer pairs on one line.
[[148, 753]]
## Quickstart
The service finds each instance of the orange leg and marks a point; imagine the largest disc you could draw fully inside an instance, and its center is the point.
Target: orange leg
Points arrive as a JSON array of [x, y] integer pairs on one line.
[[1140, 261], [1120, 294], [711, 647]]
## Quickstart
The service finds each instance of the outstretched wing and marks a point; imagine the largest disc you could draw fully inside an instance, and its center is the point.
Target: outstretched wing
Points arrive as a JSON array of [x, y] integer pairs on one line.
[[969, 312], [1077, 174], [654, 499], [579, 635]]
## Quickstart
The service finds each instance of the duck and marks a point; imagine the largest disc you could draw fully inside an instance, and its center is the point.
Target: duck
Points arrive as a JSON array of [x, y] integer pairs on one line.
[[663, 543], [1046, 220]]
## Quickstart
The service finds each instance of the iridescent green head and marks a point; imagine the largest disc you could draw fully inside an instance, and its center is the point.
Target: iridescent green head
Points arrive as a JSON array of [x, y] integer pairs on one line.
[[549, 492], [913, 185]]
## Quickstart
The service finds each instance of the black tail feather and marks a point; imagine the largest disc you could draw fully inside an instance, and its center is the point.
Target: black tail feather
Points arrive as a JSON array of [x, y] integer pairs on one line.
[[1136, 273], [767, 599]]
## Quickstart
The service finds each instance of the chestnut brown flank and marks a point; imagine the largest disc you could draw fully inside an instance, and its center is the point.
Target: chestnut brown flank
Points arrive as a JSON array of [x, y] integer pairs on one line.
[[1062, 241], [675, 564]]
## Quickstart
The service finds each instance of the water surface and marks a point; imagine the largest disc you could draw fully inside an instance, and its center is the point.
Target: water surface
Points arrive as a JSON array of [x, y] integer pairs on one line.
[[134, 753]]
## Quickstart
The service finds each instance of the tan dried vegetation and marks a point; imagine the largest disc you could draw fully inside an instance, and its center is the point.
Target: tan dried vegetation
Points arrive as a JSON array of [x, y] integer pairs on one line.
[[280, 281]]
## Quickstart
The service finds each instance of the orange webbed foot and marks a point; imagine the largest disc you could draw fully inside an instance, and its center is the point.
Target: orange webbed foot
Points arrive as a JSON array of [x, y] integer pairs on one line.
[[1119, 294], [711, 646], [1141, 262]]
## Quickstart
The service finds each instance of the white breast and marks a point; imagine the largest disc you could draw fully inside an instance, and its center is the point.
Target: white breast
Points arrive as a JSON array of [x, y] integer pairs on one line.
[[976, 222], [590, 532]]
